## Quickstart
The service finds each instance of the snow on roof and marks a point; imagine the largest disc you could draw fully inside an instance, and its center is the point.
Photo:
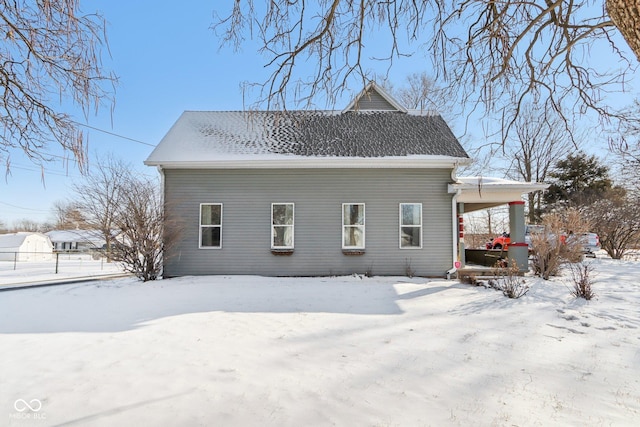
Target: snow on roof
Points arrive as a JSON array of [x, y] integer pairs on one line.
[[218, 136], [14, 240], [492, 182], [88, 236]]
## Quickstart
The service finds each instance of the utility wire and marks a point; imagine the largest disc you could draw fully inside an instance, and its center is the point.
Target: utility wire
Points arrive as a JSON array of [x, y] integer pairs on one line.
[[48, 171], [114, 134], [20, 207], [72, 159]]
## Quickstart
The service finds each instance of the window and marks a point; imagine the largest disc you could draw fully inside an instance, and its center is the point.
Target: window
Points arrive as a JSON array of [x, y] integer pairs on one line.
[[411, 225], [282, 225], [353, 226], [211, 225]]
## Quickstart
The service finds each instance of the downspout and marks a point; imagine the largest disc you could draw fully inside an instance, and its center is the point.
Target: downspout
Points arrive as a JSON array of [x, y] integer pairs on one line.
[[454, 220], [161, 172], [162, 201]]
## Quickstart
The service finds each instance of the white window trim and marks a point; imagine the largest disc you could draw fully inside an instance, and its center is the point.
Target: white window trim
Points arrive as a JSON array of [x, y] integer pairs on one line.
[[293, 226], [364, 226], [414, 226], [201, 226]]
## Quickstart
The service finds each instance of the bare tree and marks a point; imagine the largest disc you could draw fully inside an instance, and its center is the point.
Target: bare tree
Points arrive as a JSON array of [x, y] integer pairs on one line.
[[143, 232], [498, 54], [129, 213], [69, 216], [616, 219], [630, 170], [421, 92], [50, 51], [626, 145], [100, 194], [529, 154], [26, 225]]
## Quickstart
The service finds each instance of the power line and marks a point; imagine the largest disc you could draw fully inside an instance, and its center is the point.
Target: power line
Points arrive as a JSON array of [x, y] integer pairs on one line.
[[47, 171], [73, 159], [20, 207], [114, 134]]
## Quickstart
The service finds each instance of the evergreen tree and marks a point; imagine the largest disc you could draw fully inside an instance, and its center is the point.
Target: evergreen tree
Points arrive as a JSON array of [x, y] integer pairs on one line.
[[577, 180]]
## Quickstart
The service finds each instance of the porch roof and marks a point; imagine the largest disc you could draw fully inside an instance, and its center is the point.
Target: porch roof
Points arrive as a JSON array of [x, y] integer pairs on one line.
[[481, 192]]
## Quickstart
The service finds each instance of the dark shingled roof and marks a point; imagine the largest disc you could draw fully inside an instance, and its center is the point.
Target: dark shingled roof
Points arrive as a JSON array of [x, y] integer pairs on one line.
[[204, 135], [366, 134]]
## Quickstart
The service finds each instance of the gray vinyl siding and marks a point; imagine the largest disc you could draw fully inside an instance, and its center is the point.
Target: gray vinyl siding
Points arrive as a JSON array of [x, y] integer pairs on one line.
[[372, 100], [318, 195]]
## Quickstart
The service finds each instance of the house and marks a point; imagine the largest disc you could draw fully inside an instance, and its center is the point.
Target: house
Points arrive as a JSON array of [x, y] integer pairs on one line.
[[76, 240], [25, 246], [299, 193]]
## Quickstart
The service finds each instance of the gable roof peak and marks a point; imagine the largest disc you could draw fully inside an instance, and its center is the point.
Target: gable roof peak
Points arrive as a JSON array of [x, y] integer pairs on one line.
[[374, 98]]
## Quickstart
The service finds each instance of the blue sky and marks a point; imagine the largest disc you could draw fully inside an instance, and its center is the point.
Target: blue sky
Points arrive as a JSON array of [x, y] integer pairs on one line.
[[168, 60]]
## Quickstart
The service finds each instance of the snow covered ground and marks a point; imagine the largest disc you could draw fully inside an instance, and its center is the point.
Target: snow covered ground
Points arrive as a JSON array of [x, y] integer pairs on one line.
[[67, 266], [352, 351]]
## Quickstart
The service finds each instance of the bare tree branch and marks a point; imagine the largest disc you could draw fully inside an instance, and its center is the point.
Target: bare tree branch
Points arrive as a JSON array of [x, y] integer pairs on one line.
[[530, 152], [497, 55], [50, 53], [99, 196]]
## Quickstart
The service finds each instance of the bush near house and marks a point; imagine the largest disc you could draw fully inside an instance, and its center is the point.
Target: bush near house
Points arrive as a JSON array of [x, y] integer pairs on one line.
[[507, 278], [550, 249]]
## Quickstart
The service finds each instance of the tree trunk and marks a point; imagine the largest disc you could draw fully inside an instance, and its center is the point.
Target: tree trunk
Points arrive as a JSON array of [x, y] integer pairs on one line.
[[625, 14], [532, 208]]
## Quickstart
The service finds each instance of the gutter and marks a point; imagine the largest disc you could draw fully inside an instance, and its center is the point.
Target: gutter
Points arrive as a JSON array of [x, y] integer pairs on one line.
[[299, 162]]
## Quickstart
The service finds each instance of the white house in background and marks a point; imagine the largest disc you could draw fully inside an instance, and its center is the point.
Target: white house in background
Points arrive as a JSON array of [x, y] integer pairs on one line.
[[76, 240], [25, 246]]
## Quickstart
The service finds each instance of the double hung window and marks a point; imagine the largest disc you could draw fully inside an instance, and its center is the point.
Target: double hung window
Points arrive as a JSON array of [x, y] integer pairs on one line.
[[282, 225], [353, 226], [211, 225], [410, 225]]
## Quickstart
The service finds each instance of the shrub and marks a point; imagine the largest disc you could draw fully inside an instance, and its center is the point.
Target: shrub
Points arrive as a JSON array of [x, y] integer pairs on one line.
[[369, 271], [581, 276], [408, 271], [508, 280], [552, 248], [469, 279]]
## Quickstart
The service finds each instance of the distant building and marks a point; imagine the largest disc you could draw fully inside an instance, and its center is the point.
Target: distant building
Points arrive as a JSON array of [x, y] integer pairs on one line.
[[25, 246], [76, 240]]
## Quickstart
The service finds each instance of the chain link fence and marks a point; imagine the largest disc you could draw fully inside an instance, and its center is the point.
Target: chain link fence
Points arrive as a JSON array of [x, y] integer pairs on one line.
[[77, 263]]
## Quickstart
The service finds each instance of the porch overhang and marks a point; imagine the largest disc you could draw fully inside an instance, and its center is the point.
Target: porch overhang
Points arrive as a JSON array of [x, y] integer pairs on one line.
[[478, 192]]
